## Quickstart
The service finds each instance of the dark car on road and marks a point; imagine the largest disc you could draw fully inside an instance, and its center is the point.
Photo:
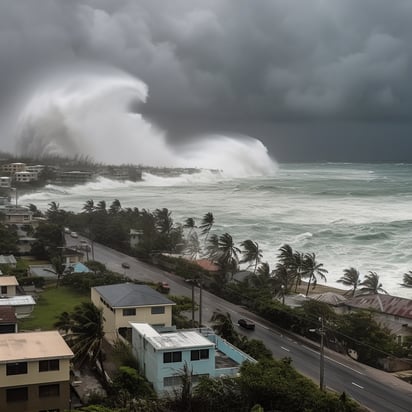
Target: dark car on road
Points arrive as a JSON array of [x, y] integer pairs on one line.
[[246, 323], [163, 287], [125, 265]]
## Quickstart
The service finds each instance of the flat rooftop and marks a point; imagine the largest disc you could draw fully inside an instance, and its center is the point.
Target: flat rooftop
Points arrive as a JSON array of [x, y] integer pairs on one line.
[[33, 346], [172, 340]]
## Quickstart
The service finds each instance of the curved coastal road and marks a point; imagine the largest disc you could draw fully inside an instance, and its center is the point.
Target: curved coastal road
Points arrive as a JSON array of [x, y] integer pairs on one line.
[[376, 390]]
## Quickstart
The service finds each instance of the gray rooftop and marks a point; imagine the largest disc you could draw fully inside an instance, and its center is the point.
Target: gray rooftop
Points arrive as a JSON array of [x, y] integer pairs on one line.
[[131, 295]]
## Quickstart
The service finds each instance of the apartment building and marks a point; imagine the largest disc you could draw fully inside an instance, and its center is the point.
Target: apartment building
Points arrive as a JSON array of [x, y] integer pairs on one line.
[[5, 182], [12, 168], [34, 372], [25, 177]]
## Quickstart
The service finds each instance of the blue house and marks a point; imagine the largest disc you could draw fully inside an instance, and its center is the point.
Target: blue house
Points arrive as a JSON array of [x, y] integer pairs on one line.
[[163, 355]]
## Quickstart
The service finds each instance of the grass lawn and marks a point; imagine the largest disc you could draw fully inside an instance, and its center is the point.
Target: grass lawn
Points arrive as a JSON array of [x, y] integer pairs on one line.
[[50, 303]]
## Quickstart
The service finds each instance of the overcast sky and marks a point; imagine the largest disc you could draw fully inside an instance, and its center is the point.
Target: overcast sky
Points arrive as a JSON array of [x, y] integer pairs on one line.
[[314, 79]]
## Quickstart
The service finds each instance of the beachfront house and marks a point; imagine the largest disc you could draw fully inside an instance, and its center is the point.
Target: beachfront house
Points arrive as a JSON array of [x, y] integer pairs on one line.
[[393, 312], [127, 302], [34, 372], [162, 356], [8, 260], [8, 286]]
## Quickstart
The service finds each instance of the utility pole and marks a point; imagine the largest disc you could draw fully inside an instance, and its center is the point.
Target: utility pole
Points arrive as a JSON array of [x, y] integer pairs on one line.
[[200, 302], [321, 332], [193, 304], [322, 355]]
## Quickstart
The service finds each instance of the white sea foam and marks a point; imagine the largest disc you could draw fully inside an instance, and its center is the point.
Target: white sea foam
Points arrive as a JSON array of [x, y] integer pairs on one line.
[[369, 232]]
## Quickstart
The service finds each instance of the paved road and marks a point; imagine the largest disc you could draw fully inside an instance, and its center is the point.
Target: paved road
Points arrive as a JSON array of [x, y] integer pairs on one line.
[[377, 390]]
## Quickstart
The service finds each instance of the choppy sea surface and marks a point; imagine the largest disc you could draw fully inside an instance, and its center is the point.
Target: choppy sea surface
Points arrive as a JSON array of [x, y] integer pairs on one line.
[[356, 215]]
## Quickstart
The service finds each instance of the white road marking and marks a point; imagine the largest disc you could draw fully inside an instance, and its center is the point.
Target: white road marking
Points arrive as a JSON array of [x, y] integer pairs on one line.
[[286, 349], [355, 384], [335, 361]]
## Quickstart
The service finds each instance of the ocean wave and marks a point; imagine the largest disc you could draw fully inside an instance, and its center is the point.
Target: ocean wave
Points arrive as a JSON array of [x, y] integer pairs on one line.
[[372, 236]]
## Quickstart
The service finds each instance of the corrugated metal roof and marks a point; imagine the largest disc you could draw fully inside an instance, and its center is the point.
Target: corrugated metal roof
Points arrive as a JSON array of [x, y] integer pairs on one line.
[[391, 305], [20, 300], [131, 295]]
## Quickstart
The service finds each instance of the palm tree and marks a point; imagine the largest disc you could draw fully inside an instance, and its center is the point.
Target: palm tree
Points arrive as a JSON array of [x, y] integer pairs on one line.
[[193, 248], [262, 279], [88, 206], [189, 224], [115, 207], [58, 268], [101, 207], [371, 285], [297, 267], [64, 322], [223, 326], [351, 277], [164, 221], [213, 247], [312, 269], [407, 280], [85, 336], [282, 279], [207, 224], [228, 253], [251, 253]]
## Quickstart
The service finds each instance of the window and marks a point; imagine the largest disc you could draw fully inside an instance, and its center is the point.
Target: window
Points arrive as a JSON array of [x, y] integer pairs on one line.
[[49, 365], [17, 394], [172, 381], [170, 357], [199, 354], [158, 310], [46, 391], [18, 368], [4, 290], [129, 312]]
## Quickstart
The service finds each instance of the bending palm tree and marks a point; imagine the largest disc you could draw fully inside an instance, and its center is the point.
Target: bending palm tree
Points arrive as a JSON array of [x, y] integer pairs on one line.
[[407, 280], [213, 247], [206, 224], [189, 224], [313, 269], [251, 253], [88, 207], [228, 253], [351, 277], [371, 285], [193, 248], [85, 336], [223, 326]]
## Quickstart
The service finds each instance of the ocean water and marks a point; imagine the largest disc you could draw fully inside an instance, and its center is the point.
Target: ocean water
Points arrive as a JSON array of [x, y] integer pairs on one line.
[[356, 215]]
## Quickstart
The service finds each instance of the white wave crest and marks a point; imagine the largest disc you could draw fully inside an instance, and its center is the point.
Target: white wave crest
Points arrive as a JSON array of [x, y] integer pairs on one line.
[[90, 115]]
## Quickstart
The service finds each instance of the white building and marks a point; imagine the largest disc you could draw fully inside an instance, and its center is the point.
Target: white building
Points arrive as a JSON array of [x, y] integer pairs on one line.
[[25, 177], [5, 182]]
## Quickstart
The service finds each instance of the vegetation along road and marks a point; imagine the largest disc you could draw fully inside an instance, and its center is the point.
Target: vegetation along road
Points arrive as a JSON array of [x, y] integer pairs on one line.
[[377, 390]]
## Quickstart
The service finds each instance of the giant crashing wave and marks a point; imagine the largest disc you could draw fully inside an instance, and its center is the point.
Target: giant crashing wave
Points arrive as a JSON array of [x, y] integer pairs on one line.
[[88, 115]]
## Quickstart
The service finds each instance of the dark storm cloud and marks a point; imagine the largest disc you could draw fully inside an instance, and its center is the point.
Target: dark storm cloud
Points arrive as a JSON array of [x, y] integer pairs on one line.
[[267, 60]]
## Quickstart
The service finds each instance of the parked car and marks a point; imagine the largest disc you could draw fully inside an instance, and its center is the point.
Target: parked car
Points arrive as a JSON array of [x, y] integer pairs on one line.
[[67, 230], [74, 235], [125, 265], [246, 323], [163, 287]]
